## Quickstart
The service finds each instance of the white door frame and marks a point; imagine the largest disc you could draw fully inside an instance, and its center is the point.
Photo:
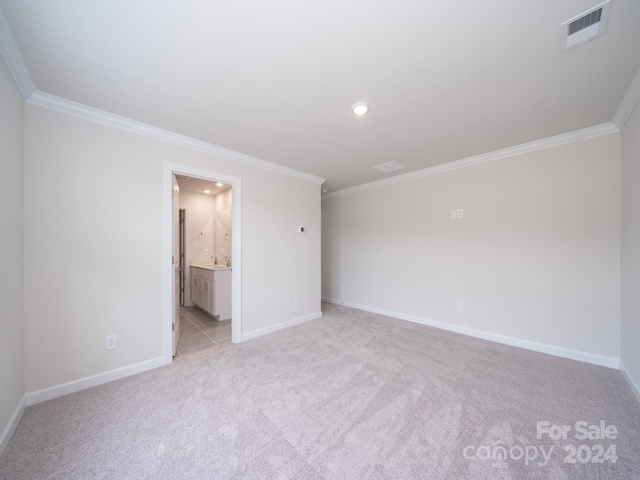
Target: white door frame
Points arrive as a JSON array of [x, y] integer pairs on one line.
[[236, 242], [187, 255]]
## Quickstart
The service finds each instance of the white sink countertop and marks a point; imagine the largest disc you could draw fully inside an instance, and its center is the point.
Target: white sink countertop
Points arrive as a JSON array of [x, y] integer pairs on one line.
[[210, 266]]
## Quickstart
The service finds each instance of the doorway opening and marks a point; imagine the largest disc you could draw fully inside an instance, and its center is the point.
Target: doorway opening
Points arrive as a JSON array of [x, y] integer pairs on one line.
[[204, 253], [205, 264]]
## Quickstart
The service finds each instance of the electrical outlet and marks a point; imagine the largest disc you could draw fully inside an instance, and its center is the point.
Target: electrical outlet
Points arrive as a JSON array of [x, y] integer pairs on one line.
[[459, 306], [297, 301], [112, 342], [459, 213]]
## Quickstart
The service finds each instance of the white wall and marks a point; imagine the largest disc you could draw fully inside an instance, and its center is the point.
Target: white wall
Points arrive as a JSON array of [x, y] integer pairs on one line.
[[223, 224], [630, 354], [11, 239], [536, 256], [202, 211], [94, 253]]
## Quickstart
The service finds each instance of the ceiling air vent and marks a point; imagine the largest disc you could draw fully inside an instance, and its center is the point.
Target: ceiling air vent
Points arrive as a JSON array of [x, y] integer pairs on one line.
[[586, 26], [389, 167]]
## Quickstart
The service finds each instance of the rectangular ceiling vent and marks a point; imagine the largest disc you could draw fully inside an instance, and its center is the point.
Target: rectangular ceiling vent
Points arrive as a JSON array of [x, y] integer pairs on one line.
[[389, 167], [586, 26]]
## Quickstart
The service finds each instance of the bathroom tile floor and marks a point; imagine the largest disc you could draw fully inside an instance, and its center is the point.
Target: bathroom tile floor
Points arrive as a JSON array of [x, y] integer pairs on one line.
[[199, 331]]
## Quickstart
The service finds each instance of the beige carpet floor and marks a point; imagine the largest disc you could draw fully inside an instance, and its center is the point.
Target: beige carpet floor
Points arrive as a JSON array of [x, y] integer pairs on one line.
[[350, 396]]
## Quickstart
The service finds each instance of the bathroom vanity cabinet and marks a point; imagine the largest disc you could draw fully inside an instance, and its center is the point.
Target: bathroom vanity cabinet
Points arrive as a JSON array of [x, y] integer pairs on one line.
[[211, 290]]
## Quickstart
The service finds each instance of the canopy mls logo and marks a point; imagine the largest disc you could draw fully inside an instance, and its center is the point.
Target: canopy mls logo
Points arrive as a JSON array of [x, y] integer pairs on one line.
[[500, 454]]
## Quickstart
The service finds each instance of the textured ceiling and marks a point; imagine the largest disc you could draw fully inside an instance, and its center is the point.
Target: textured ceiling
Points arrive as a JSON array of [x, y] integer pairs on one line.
[[275, 80]]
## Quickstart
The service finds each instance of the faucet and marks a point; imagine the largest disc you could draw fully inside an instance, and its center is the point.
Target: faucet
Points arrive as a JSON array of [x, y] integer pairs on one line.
[[215, 259], [228, 259]]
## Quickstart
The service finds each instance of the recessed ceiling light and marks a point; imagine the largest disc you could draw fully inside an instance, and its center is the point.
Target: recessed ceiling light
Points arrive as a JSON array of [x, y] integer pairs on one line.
[[207, 191], [360, 108], [218, 184]]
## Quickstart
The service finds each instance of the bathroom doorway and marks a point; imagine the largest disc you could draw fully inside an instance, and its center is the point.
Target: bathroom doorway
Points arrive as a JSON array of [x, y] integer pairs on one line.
[[208, 241], [205, 257]]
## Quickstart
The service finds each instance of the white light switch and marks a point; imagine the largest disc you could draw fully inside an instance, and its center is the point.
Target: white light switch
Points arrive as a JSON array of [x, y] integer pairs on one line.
[[453, 214]]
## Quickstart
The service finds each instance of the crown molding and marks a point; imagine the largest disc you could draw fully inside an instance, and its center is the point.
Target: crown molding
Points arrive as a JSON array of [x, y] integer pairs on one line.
[[11, 55], [628, 103], [585, 133], [15, 63], [69, 107]]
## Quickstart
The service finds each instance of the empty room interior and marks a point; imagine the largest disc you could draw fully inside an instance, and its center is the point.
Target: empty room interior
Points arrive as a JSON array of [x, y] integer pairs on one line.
[[320, 240]]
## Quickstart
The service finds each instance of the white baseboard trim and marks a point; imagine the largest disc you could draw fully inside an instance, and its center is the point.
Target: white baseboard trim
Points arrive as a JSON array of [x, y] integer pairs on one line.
[[280, 326], [493, 337], [8, 431], [92, 381], [634, 387]]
